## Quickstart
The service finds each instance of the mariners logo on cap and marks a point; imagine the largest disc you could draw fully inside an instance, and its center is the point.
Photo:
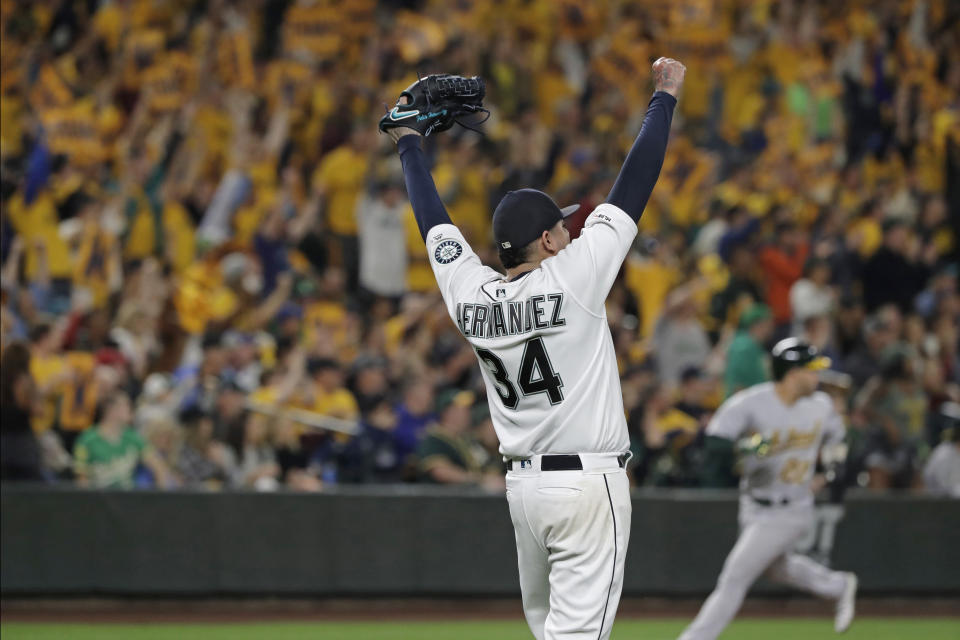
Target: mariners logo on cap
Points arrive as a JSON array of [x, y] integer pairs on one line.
[[447, 251]]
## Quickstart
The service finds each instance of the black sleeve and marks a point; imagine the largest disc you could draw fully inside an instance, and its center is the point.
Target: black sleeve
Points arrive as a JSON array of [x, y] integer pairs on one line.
[[718, 463], [427, 206], [642, 167]]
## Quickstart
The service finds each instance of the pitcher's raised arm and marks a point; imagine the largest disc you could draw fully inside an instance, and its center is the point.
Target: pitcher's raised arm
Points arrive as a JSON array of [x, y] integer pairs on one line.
[[640, 170]]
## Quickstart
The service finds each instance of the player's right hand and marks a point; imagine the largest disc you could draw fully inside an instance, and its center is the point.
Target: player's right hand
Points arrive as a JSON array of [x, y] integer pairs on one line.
[[668, 76]]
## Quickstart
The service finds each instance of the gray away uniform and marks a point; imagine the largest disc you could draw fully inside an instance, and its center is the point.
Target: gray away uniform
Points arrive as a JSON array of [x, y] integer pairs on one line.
[[776, 503]]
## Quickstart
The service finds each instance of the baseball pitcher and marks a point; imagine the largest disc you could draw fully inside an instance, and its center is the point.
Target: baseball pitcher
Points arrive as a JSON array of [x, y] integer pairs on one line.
[[540, 334], [779, 428]]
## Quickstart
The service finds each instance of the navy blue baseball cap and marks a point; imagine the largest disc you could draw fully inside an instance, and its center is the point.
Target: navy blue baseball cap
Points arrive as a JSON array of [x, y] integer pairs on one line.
[[523, 215]]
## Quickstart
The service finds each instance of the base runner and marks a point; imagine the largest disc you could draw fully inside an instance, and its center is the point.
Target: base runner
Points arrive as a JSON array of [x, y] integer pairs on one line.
[[779, 427]]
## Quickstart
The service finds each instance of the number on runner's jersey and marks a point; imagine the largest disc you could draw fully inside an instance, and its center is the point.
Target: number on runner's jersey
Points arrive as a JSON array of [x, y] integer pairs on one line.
[[794, 471]]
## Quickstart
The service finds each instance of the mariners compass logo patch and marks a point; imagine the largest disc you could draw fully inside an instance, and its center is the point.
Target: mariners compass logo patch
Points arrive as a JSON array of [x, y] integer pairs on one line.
[[447, 251]]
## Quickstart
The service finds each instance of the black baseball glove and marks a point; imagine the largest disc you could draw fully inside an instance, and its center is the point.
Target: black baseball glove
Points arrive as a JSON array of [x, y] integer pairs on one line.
[[435, 103]]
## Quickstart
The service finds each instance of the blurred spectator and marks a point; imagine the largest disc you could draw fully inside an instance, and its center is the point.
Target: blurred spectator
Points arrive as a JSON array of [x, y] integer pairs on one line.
[[708, 237], [414, 413], [817, 331], [229, 414], [258, 459], [940, 291], [20, 452], [372, 455], [742, 288], [879, 337], [694, 394], [370, 384], [243, 367], [812, 295], [747, 357], [135, 337], [50, 372], [329, 396], [383, 243], [637, 383], [782, 262], [740, 231], [830, 242], [164, 438], [296, 470], [849, 326], [650, 279], [895, 407], [487, 450], [898, 270], [153, 403], [679, 339], [204, 462], [941, 476], [339, 180], [447, 455], [107, 454], [669, 452], [946, 337]]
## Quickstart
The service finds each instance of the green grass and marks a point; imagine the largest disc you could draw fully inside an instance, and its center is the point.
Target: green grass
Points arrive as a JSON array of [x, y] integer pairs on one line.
[[775, 629]]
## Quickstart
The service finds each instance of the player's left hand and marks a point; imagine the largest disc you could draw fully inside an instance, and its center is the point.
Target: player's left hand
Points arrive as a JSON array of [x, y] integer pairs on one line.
[[668, 76], [434, 104]]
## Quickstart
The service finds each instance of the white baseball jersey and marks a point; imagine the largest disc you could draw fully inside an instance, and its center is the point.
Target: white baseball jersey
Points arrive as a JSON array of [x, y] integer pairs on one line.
[[794, 434], [542, 340]]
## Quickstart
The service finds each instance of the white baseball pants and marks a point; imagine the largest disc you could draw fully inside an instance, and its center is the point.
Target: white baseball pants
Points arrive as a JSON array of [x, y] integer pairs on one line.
[[572, 529], [765, 547]]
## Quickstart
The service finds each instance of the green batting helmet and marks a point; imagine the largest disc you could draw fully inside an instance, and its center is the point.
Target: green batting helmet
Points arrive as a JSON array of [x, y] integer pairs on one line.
[[794, 352]]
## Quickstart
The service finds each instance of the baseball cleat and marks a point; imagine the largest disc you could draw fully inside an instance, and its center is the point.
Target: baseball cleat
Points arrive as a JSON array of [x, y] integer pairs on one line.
[[845, 605]]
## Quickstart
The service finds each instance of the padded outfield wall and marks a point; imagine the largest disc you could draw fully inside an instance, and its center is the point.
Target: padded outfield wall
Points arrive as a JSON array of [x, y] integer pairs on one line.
[[418, 541]]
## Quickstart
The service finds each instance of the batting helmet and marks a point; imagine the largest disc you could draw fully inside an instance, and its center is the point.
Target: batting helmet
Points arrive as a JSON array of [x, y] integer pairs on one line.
[[794, 352]]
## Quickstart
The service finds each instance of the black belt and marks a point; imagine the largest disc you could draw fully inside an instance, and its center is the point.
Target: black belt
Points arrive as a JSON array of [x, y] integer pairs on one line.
[[764, 502], [567, 462]]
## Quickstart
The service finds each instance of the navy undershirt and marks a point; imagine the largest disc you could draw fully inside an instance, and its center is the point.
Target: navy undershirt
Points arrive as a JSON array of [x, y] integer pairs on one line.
[[642, 167], [427, 206]]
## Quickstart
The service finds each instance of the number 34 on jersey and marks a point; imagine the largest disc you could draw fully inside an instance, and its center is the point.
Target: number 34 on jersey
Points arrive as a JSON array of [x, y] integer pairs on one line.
[[536, 374]]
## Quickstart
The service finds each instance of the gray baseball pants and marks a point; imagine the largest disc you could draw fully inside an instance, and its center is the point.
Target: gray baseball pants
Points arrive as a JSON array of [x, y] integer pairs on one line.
[[765, 547]]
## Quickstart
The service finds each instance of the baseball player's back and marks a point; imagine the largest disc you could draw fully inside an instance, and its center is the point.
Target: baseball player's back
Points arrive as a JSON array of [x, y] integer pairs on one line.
[[547, 356]]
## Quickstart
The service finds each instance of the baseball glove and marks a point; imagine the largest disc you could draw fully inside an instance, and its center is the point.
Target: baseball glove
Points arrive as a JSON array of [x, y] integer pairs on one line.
[[435, 103]]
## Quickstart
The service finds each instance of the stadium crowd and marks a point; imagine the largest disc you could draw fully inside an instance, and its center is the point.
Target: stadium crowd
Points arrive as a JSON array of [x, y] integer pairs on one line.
[[212, 276]]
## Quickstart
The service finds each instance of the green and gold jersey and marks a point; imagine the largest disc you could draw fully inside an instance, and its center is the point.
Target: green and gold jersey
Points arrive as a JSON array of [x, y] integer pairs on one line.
[[109, 464], [437, 446], [792, 437]]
